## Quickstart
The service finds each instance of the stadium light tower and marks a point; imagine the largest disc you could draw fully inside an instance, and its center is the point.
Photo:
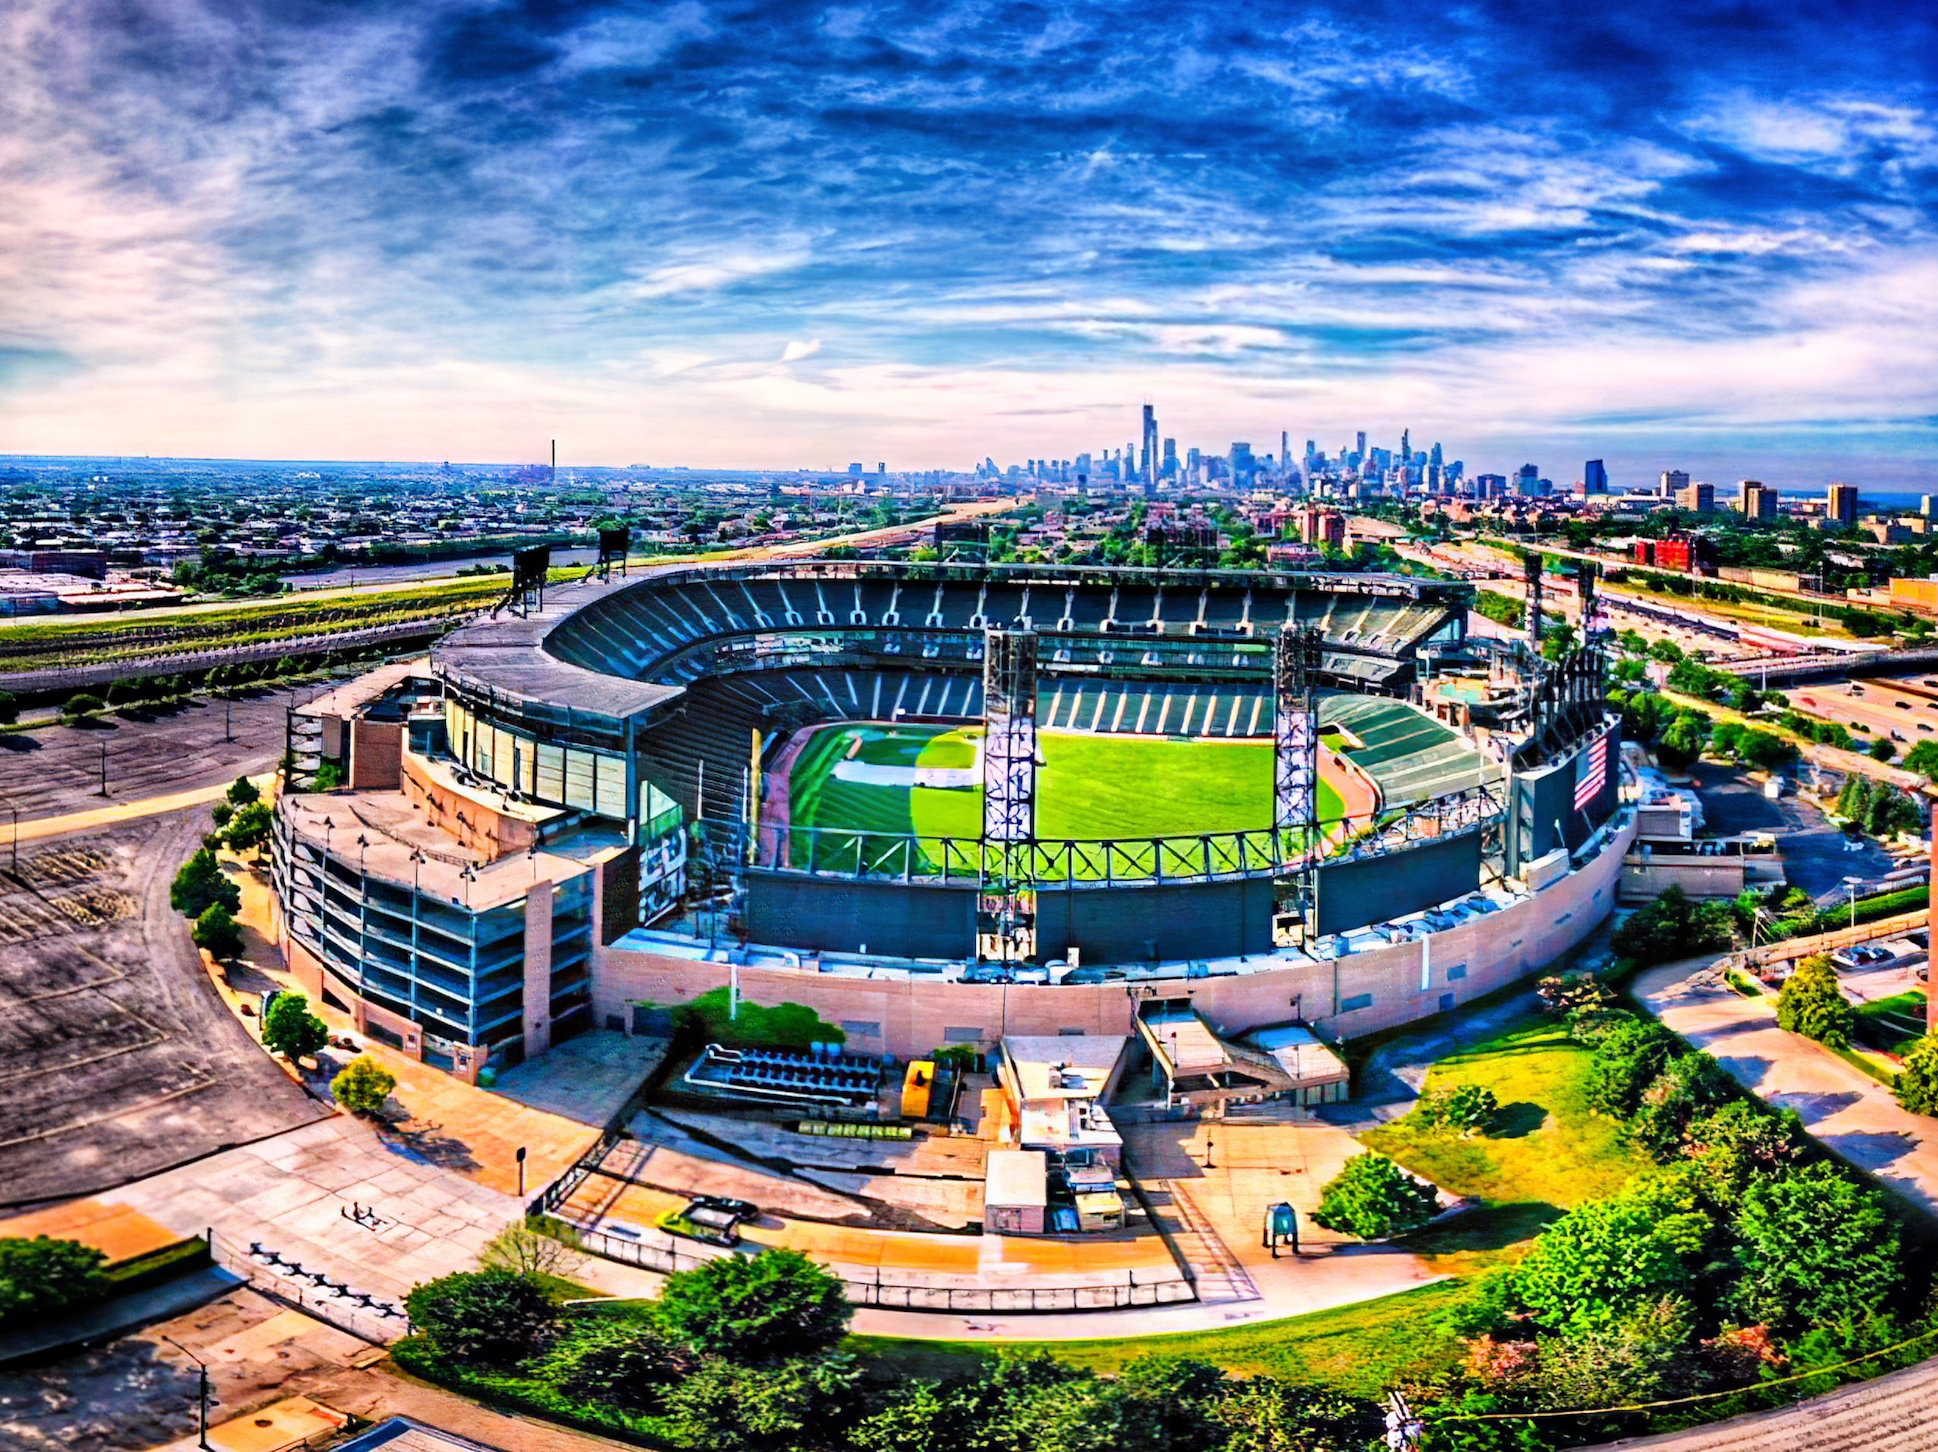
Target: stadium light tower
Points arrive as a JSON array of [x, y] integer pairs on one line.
[[1295, 753], [1007, 930]]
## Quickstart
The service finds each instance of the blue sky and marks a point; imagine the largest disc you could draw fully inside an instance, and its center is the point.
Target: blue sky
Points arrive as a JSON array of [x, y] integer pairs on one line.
[[775, 234]]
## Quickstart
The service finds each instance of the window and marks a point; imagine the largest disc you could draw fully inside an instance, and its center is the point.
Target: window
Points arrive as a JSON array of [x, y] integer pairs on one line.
[[1456, 973], [861, 1028], [1356, 1002], [962, 1035]]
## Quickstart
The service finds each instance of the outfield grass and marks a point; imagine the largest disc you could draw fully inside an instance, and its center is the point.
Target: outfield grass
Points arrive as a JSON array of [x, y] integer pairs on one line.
[[1362, 1349], [1089, 787], [1546, 1153]]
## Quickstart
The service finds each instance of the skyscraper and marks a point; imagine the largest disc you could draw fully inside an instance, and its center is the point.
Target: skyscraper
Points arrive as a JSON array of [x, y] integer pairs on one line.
[[1149, 462], [1755, 501], [1841, 504], [1527, 481], [1697, 498], [1359, 443], [1594, 477], [1169, 468], [1671, 481]]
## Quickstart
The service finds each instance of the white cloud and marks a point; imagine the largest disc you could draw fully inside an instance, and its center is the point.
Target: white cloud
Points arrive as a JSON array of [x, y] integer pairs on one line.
[[799, 349]]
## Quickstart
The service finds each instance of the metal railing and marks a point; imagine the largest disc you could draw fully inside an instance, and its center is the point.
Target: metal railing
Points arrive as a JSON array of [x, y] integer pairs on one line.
[[379, 1322], [671, 1254]]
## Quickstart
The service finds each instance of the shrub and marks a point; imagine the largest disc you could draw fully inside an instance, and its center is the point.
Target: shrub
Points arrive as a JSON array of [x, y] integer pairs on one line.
[[250, 827], [215, 933], [1686, 1088], [1917, 1087], [1626, 1062], [1468, 1108], [1597, 1263], [363, 1086], [1813, 1004], [1673, 927], [1372, 1197], [622, 1363], [784, 1406], [290, 1029], [9, 708], [242, 792], [483, 1318], [755, 1308], [329, 776], [1816, 1248], [82, 703], [42, 1276]]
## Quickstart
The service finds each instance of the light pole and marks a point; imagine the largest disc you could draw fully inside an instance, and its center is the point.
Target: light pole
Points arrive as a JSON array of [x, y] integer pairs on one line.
[[1851, 884], [202, 1367], [15, 841]]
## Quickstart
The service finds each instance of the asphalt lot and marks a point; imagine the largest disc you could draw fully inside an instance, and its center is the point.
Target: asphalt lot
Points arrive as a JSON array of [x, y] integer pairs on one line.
[[1815, 854], [117, 1056]]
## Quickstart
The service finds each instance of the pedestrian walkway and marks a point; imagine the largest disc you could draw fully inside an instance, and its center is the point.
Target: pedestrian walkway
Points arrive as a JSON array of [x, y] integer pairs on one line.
[[1853, 1115], [107, 816]]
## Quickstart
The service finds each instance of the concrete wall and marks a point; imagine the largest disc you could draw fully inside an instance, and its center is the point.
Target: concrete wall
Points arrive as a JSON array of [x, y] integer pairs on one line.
[[1645, 878], [1369, 991], [538, 970], [469, 817], [376, 755]]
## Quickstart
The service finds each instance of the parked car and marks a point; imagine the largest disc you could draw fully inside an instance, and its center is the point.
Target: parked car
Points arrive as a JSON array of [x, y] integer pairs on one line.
[[745, 1209], [1859, 955]]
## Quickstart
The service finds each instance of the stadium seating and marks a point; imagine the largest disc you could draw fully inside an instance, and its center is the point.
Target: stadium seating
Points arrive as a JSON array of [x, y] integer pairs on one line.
[[1410, 757]]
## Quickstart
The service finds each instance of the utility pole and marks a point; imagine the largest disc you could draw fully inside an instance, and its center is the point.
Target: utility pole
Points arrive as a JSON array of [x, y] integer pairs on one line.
[[15, 842], [104, 768], [203, 1367]]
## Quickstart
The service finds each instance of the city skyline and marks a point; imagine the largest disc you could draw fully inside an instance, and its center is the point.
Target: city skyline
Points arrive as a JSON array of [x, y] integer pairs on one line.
[[743, 236]]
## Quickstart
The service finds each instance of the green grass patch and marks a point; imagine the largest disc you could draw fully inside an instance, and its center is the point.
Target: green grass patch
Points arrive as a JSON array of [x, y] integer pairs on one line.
[[1362, 1349], [158, 1266], [1545, 1154], [858, 780], [514, 1392], [1893, 1024], [1862, 1061]]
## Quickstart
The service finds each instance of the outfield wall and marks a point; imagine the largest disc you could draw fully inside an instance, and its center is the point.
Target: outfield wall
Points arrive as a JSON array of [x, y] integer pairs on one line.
[[911, 1014]]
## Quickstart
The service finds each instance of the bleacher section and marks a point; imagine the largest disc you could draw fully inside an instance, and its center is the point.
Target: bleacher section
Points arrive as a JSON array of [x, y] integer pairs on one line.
[[827, 1076], [1410, 757], [651, 631]]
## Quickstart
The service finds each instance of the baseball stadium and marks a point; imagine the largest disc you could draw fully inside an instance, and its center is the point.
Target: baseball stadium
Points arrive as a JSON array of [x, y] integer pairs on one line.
[[945, 804]]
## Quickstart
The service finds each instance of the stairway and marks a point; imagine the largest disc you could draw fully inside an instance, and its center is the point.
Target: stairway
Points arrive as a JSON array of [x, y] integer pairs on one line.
[[1203, 1256]]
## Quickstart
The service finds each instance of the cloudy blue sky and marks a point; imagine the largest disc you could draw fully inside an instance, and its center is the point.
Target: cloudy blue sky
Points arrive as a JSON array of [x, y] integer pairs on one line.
[[780, 234]]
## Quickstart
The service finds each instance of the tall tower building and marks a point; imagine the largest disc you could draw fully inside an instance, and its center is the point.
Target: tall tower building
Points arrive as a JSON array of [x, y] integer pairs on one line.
[[1359, 443], [1841, 504], [1671, 481], [1594, 477], [1149, 469]]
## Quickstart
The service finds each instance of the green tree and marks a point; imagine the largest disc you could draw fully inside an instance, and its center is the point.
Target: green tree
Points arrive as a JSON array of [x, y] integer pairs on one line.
[[1923, 758], [493, 1318], [787, 1406], [1883, 749], [221, 814], [9, 708], [1372, 1197], [1816, 1248], [1917, 1087], [1673, 927], [1645, 1354], [43, 1276], [290, 1029], [755, 1308], [242, 792], [250, 827], [1596, 1263], [200, 884], [1681, 743], [215, 933], [1688, 1087], [1812, 1003], [362, 1086], [1264, 1414], [614, 1362]]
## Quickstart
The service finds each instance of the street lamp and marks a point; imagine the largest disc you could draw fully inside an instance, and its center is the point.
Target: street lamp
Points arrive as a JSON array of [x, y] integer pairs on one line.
[[1851, 883], [15, 841], [203, 1367]]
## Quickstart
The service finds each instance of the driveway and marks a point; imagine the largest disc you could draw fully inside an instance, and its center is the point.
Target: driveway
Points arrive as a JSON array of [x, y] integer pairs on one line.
[[1850, 1112]]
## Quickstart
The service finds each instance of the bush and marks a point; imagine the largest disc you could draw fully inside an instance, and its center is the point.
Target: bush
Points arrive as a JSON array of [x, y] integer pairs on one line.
[[290, 1029], [1917, 1087], [200, 884], [1689, 1087], [215, 933], [82, 703], [1673, 927], [329, 776], [9, 708], [1372, 1197], [615, 1362], [250, 827], [1813, 1004], [43, 1276], [362, 1086], [1596, 1264], [242, 792], [1626, 1062], [755, 1308], [1883, 749], [483, 1318], [1467, 1108], [1815, 1248], [785, 1406]]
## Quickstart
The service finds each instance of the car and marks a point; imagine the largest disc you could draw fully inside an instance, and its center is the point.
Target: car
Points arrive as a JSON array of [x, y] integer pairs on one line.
[[745, 1209], [1859, 955]]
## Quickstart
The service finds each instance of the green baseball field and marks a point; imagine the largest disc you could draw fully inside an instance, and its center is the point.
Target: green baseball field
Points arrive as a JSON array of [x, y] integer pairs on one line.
[[927, 780]]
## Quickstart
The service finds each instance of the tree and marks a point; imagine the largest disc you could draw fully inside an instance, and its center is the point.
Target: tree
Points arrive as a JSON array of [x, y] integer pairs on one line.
[[520, 1248], [615, 1362], [215, 933], [1923, 758], [1883, 749], [492, 1318], [755, 1308], [1264, 1414], [1687, 1087], [9, 708], [1466, 1108], [362, 1086], [43, 1275], [786, 1406], [200, 883], [242, 792], [250, 827], [1816, 1248], [1673, 927], [1917, 1088], [1647, 1353], [1596, 1263], [1372, 1197], [221, 813], [290, 1029], [1681, 743], [1812, 1003]]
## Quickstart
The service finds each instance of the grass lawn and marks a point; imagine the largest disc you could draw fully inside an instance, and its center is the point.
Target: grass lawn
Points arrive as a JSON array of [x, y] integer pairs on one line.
[[1089, 786], [1893, 1024], [1363, 1349], [1546, 1154]]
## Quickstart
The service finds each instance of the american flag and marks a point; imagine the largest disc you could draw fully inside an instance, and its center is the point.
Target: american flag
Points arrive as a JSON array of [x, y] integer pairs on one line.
[[1591, 771]]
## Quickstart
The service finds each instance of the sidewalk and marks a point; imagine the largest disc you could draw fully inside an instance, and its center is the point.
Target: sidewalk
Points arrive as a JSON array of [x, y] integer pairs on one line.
[[107, 816], [1854, 1116]]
